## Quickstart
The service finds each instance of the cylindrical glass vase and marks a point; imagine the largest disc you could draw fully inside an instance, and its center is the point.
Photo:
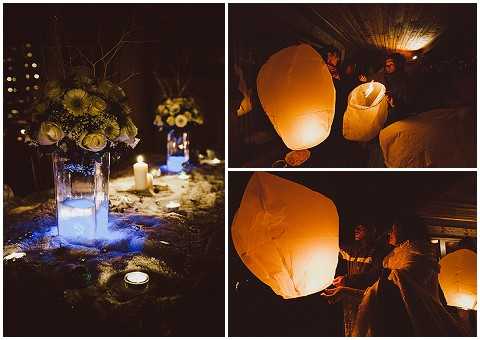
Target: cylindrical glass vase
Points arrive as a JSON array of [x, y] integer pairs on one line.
[[81, 188], [178, 144]]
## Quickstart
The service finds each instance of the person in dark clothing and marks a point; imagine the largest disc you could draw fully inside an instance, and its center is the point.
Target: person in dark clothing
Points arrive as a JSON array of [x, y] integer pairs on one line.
[[397, 84], [359, 265], [333, 63], [351, 77]]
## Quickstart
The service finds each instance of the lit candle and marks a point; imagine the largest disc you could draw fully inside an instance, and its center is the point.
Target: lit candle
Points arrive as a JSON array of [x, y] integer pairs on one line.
[[172, 205], [183, 175], [136, 279], [140, 170], [149, 180]]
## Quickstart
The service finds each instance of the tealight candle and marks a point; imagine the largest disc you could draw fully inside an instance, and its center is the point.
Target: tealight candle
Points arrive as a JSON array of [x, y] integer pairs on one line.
[[183, 175], [136, 279], [140, 170], [172, 205], [214, 161]]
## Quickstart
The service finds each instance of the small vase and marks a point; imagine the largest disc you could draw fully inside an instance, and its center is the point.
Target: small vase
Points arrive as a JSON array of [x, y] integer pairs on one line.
[[81, 187], [178, 144]]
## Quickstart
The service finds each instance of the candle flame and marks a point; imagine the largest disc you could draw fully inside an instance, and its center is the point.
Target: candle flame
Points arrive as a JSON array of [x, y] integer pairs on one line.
[[139, 158]]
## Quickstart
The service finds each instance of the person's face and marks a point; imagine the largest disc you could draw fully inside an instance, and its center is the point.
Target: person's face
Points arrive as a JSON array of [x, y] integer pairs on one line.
[[332, 59], [349, 70], [360, 232], [393, 235], [390, 66]]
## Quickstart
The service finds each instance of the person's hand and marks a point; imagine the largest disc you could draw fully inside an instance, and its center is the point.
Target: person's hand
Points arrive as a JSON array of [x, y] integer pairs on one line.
[[390, 101], [362, 78], [333, 295], [339, 281]]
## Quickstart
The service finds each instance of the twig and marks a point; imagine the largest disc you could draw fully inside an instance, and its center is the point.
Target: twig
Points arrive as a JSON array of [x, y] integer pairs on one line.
[[129, 77]]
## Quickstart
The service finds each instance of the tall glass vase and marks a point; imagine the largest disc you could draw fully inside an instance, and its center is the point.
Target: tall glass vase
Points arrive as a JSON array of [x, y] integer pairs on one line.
[[178, 149], [81, 187]]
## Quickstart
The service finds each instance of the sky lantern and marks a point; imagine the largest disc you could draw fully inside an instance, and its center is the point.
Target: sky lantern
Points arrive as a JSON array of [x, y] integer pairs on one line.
[[458, 278], [297, 93], [287, 235], [366, 112]]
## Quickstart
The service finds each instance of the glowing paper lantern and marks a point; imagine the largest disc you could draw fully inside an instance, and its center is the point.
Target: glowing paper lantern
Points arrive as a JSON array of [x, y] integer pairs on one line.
[[296, 91], [443, 138], [366, 112], [458, 278], [287, 235]]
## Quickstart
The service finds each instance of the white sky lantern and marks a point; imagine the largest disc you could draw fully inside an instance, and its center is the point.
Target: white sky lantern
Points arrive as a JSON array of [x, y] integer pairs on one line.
[[458, 278], [366, 112], [287, 235], [297, 93]]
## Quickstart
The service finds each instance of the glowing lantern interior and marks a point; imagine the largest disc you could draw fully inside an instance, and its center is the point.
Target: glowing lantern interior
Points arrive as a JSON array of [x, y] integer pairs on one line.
[[366, 112], [297, 93], [287, 235], [458, 278]]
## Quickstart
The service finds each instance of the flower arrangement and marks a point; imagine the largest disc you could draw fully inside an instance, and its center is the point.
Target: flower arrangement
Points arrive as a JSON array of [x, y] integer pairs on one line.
[[80, 114], [178, 112]]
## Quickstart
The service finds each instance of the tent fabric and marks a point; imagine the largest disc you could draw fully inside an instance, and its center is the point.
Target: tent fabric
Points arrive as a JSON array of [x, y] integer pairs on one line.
[[287, 235], [414, 271], [366, 112], [297, 93], [458, 278], [436, 138]]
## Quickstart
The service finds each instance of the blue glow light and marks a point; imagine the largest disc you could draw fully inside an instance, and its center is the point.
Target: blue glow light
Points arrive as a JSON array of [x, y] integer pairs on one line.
[[82, 221], [175, 163]]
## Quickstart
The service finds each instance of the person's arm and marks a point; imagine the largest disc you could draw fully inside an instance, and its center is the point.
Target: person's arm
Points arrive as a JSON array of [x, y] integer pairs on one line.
[[336, 294]]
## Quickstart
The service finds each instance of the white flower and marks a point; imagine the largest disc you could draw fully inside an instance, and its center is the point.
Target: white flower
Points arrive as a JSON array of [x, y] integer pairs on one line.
[[158, 121], [171, 121], [49, 133], [160, 108], [175, 108], [128, 131], [181, 121], [94, 141]]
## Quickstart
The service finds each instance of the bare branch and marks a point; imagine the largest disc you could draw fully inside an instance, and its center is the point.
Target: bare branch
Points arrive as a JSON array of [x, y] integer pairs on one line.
[[134, 74]]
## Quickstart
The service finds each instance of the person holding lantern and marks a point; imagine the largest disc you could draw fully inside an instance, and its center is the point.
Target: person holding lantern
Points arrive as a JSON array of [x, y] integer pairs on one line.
[[398, 93], [406, 300], [359, 265]]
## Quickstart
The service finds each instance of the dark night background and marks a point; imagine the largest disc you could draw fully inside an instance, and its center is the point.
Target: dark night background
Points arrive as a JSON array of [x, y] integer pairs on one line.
[[164, 36], [375, 197]]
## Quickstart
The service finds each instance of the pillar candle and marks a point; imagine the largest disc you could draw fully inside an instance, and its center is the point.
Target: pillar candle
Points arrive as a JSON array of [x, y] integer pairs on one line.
[[140, 170]]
